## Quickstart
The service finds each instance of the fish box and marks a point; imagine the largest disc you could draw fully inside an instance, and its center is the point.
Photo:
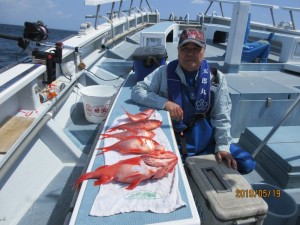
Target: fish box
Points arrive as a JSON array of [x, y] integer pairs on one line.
[[259, 101], [147, 59], [160, 34], [222, 195]]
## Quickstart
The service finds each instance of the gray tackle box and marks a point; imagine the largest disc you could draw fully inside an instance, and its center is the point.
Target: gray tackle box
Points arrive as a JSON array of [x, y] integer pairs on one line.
[[221, 194]]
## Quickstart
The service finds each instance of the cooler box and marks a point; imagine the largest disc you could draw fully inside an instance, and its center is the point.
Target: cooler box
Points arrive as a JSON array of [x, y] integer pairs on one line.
[[148, 58], [222, 195]]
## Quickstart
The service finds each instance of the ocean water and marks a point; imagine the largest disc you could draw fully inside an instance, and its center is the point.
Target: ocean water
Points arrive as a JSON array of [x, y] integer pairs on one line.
[[11, 53]]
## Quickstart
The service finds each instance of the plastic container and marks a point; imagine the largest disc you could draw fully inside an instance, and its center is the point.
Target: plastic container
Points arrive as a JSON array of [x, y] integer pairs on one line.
[[96, 101], [282, 207], [49, 94], [220, 194], [147, 59]]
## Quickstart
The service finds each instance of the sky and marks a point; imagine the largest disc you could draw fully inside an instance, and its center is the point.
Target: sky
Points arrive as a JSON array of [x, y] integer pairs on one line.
[[69, 14]]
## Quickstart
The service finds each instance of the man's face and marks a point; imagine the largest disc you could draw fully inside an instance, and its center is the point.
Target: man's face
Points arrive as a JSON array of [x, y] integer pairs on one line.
[[190, 56]]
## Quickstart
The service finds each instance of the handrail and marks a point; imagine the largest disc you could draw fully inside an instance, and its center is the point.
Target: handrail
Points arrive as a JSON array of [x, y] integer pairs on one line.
[[140, 11], [99, 16], [171, 17], [291, 14], [127, 20], [187, 18], [99, 3], [201, 19], [270, 7], [135, 17], [147, 13], [214, 13]]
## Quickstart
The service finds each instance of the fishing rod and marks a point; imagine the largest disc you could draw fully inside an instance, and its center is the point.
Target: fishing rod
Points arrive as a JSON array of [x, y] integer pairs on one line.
[[35, 32]]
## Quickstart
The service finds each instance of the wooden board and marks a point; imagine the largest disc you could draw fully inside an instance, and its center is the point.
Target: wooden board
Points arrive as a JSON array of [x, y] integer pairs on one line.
[[11, 130]]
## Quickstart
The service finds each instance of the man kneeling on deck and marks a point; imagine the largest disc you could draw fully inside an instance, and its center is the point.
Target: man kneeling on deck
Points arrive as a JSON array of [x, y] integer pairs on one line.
[[198, 101]]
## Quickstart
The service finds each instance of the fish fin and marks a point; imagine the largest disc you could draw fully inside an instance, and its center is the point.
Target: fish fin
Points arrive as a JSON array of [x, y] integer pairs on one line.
[[103, 180], [131, 151], [127, 113], [133, 184]]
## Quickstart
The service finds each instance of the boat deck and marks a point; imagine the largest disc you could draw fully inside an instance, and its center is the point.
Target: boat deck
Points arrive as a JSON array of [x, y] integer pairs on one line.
[[260, 93], [287, 81], [88, 192]]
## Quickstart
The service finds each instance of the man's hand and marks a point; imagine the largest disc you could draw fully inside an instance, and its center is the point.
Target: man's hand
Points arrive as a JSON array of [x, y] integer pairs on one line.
[[174, 110], [231, 163]]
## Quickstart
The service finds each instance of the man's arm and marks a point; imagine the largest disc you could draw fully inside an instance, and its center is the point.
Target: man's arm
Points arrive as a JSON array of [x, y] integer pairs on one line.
[[152, 91]]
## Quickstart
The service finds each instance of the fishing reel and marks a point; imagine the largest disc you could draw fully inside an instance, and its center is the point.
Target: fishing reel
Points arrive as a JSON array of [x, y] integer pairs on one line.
[[36, 32]]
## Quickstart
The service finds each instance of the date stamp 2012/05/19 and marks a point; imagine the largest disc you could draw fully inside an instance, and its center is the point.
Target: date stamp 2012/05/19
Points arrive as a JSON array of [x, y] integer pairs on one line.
[[261, 193]]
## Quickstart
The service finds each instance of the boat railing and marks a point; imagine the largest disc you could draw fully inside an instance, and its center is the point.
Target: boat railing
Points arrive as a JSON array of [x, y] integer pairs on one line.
[[135, 17], [118, 13], [139, 10], [213, 14], [98, 3], [127, 19], [267, 6], [187, 18], [291, 10], [200, 18], [172, 17], [147, 13]]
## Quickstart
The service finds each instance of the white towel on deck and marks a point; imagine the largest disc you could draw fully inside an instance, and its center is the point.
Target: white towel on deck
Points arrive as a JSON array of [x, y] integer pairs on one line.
[[155, 195]]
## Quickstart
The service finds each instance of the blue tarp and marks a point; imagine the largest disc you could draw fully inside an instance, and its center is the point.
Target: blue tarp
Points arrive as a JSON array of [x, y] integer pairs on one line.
[[255, 51]]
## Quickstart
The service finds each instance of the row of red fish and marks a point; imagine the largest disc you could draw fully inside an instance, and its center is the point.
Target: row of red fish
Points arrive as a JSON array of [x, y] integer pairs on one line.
[[153, 162]]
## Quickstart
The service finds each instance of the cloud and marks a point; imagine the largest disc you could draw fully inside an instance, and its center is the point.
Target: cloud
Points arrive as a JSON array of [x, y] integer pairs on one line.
[[50, 4], [63, 14]]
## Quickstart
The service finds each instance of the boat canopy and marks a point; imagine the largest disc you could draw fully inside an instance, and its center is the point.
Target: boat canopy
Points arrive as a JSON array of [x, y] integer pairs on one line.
[[99, 2]]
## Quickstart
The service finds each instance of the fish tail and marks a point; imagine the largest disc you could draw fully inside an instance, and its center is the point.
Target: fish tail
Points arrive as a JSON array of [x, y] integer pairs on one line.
[[100, 153], [84, 177], [102, 136], [111, 129], [104, 149]]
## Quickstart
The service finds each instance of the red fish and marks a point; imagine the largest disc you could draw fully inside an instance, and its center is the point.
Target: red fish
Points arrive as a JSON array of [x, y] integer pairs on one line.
[[129, 133], [133, 145], [140, 116], [134, 170], [146, 125], [164, 160]]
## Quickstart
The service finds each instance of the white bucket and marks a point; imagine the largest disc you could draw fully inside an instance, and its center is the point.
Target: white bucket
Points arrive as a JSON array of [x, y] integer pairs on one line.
[[96, 101]]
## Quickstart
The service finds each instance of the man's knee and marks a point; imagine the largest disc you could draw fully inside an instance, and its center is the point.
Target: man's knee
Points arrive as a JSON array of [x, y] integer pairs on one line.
[[244, 160]]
